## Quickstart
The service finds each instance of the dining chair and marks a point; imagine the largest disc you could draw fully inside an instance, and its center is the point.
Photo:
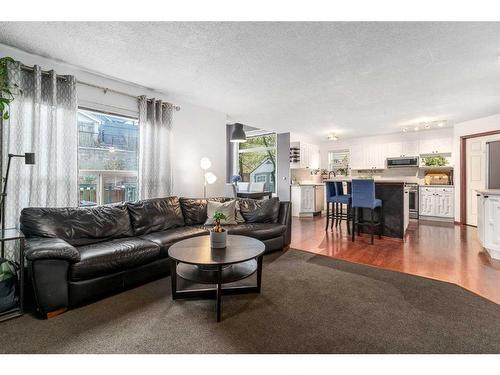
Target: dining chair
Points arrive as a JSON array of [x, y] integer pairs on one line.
[[256, 187]]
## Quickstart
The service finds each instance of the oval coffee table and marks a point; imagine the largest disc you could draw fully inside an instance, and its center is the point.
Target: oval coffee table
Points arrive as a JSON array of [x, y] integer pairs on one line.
[[194, 260]]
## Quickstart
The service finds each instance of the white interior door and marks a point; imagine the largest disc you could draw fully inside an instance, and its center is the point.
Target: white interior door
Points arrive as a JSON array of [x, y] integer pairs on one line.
[[476, 173]]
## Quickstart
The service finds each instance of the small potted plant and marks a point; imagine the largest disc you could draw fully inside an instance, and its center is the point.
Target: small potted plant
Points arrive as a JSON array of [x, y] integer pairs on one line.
[[218, 235]]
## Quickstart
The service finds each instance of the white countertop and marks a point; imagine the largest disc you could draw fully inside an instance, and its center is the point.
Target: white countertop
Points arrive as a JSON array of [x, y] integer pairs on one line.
[[489, 191], [308, 184], [437, 185], [377, 181]]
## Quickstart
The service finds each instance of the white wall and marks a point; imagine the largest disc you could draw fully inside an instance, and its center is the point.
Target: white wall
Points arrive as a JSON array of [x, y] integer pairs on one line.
[[197, 131], [480, 125]]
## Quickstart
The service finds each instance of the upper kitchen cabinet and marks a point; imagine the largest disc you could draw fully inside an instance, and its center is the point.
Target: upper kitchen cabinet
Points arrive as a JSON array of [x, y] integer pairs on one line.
[[435, 146], [304, 155], [357, 155], [410, 148], [394, 149], [401, 149], [371, 156]]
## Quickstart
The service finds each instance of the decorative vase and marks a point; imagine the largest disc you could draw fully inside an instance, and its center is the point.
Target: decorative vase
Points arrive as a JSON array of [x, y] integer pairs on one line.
[[218, 239]]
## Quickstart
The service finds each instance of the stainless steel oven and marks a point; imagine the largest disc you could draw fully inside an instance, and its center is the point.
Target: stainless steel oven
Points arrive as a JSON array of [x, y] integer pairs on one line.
[[413, 200]]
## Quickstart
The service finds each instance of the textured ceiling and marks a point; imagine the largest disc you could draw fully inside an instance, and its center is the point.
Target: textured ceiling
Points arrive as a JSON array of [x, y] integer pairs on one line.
[[351, 78]]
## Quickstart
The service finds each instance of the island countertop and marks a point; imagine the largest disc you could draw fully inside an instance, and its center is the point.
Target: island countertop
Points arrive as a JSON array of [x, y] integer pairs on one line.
[[375, 180]]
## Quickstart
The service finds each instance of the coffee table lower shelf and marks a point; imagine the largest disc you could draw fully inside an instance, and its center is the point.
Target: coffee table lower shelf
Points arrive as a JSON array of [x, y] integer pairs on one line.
[[216, 275]]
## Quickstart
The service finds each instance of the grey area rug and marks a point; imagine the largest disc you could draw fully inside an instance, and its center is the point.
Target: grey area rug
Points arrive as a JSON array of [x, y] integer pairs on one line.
[[309, 304]]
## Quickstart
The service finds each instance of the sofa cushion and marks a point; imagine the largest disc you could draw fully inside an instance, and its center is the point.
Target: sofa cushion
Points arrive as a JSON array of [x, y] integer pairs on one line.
[[79, 225], [260, 211], [167, 238], [195, 209], [260, 231], [108, 257], [228, 209], [153, 215]]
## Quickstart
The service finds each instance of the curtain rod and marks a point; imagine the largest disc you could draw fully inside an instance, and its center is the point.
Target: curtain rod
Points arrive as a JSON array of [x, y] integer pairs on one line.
[[105, 89]]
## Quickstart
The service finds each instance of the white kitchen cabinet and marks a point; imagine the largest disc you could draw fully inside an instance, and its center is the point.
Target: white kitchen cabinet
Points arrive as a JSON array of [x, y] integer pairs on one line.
[[445, 202], [307, 197], [410, 148], [309, 156], [375, 156], [394, 150], [435, 146], [480, 218], [357, 156], [437, 202], [366, 157], [488, 223], [400, 149], [426, 200], [307, 200]]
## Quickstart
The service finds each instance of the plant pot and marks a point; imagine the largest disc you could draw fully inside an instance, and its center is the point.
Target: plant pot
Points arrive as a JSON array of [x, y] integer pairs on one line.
[[218, 239]]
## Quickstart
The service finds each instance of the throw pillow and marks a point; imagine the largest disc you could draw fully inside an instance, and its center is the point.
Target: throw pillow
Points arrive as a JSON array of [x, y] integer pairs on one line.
[[260, 211], [227, 208], [239, 217]]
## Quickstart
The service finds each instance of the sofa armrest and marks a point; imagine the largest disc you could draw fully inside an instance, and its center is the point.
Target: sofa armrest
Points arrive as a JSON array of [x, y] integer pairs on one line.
[[50, 248], [285, 218]]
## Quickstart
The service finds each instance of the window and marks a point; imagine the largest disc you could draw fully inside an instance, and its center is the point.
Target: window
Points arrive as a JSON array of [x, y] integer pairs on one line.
[[107, 158], [260, 178], [338, 160], [257, 160]]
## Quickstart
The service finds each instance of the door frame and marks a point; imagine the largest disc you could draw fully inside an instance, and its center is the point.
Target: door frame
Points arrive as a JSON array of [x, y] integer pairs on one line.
[[463, 171]]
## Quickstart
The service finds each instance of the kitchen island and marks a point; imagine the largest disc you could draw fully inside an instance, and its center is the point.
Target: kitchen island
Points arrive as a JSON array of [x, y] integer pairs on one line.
[[395, 208]]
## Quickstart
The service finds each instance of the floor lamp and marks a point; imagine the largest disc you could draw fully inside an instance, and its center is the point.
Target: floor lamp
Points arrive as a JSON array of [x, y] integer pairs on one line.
[[208, 177], [29, 158]]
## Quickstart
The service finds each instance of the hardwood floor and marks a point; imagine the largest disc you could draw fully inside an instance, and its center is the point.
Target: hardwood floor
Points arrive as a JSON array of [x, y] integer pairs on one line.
[[439, 251]]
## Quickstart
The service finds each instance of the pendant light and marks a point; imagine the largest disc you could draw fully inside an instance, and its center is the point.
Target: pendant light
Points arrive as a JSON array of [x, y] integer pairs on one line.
[[238, 134]]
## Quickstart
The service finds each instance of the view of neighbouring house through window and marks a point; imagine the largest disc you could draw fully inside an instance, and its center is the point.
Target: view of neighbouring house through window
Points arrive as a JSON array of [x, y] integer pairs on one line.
[[107, 158], [257, 160]]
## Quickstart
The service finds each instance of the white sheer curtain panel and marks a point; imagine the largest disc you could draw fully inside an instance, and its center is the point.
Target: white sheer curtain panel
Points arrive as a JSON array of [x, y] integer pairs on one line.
[[43, 120], [155, 128]]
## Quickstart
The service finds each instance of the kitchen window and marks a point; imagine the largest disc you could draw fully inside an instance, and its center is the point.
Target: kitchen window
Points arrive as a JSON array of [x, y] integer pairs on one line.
[[338, 160], [257, 159], [107, 157]]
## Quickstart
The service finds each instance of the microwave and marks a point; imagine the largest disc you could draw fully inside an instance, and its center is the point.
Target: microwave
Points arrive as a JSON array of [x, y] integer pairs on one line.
[[411, 161]]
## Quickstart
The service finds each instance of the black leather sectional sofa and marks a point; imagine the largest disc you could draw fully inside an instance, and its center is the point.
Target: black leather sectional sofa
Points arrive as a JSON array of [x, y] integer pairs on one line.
[[78, 254]]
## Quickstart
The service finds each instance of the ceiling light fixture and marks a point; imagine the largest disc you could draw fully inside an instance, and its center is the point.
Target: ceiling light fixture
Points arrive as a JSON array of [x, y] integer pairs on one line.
[[333, 137], [416, 128], [427, 126], [405, 130]]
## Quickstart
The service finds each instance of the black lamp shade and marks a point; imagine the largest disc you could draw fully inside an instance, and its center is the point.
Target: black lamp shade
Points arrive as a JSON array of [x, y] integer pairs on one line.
[[238, 134], [29, 158]]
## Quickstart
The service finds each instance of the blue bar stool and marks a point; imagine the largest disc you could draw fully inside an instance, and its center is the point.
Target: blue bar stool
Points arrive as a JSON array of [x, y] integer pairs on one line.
[[341, 199], [363, 196], [336, 196], [330, 196]]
